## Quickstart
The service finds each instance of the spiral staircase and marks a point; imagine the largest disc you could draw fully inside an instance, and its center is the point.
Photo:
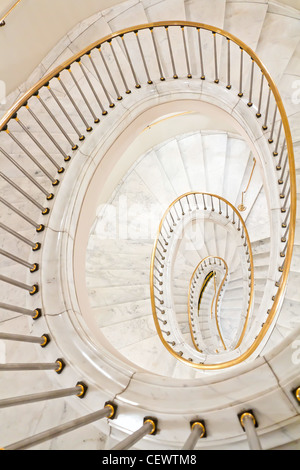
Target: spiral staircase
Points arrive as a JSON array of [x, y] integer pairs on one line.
[[149, 244]]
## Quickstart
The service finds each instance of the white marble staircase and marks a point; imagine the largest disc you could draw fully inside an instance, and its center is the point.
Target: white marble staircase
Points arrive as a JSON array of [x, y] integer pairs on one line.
[[119, 296], [117, 271]]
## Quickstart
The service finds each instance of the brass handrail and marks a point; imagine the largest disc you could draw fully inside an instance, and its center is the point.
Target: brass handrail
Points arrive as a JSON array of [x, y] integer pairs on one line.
[[291, 191], [2, 20], [216, 297], [236, 213]]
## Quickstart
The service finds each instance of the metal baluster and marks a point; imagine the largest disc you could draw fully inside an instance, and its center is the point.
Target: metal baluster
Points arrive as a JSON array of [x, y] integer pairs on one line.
[[215, 58], [171, 53], [25, 173], [62, 108], [34, 246], [282, 196], [143, 58], [251, 84], [38, 227], [35, 314], [96, 120], [275, 153], [163, 248], [37, 143], [240, 94], [54, 141], [278, 167], [57, 366], [265, 126], [33, 267], [127, 90], [31, 289], [46, 173], [280, 181], [284, 237], [162, 78], [204, 203], [187, 199], [159, 300], [198, 432], [212, 204], [171, 215], [201, 55], [258, 114], [284, 223], [249, 425], [43, 341], [149, 427], [188, 66], [111, 105], [161, 265], [119, 97], [270, 140], [182, 211], [44, 210], [196, 202], [79, 391], [228, 65], [107, 412], [137, 85]]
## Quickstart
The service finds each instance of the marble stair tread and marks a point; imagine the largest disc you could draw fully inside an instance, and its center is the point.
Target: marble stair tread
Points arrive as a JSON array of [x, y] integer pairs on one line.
[[127, 311], [192, 155], [125, 15], [214, 167], [131, 332], [118, 261], [171, 161], [164, 10], [151, 172], [237, 160], [101, 297], [153, 356], [245, 20], [275, 50], [116, 278], [120, 246]]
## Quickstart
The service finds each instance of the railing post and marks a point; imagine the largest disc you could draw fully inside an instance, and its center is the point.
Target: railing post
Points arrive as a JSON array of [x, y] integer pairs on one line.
[[198, 432], [79, 390], [108, 411], [149, 427], [35, 314], [249, 425], [57, 366], [43, 341]]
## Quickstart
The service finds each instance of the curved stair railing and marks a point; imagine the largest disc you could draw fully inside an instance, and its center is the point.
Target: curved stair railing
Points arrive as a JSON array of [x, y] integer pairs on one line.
[[206, 272], [182, 211], [27, 140]]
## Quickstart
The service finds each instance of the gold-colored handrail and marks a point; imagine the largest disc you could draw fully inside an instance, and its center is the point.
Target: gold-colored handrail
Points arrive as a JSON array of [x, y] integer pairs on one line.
[[217, 295], [281, 284], [2, 20], [251, 295]]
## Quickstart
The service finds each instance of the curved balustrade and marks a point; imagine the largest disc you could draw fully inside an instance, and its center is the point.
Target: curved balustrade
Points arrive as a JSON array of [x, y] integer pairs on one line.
[[173, 224], [46, 96], [207, 271], [41, 131]]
